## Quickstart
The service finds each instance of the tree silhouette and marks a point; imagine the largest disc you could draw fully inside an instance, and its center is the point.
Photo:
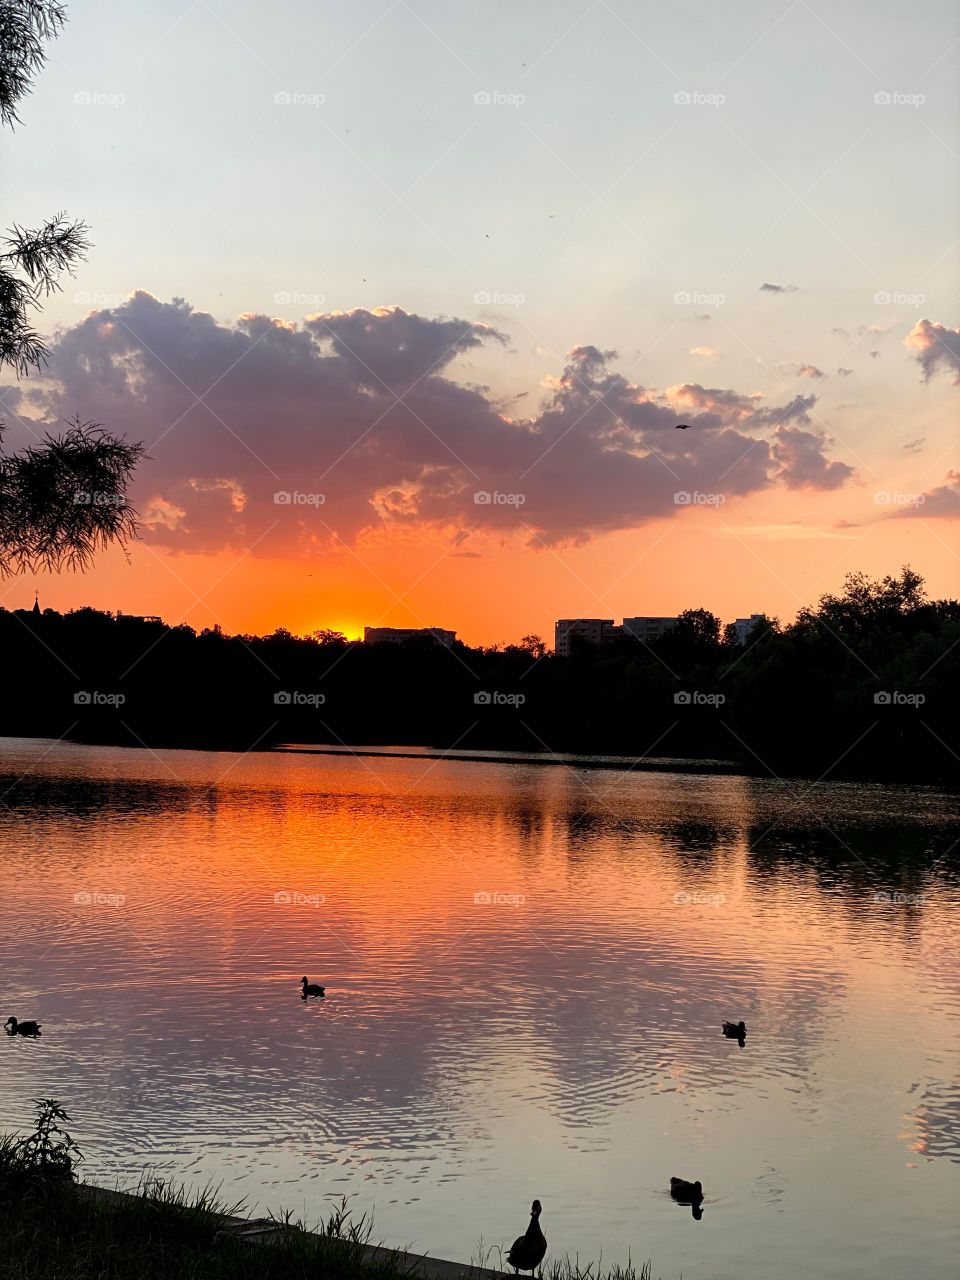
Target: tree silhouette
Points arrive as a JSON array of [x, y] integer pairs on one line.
[[877, 699], [25, 26], [64, 498], [327, 635], [865, 603], [533, 645], [697, 627]]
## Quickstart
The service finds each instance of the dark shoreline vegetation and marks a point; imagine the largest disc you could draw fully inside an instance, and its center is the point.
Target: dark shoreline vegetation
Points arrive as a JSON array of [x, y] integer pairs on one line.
[[864, 684], [54, 1228]]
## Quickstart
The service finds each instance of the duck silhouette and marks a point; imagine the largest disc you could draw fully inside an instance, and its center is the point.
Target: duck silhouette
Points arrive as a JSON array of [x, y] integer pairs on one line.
[[527, 1251], [311, 989], [736, 1031], [686, 1192], [22, 1028]]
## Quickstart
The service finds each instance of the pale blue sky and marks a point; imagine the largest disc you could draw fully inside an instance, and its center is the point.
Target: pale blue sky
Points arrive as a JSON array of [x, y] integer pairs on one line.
[[199, 185]]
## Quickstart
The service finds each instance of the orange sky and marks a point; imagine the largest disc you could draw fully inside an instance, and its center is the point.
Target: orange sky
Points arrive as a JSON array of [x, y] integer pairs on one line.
[[735, 562]]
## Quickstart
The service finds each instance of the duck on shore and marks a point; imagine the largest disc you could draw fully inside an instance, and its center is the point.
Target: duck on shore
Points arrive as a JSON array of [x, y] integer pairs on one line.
[[311, 988], [527, 1251], [15, 1028]]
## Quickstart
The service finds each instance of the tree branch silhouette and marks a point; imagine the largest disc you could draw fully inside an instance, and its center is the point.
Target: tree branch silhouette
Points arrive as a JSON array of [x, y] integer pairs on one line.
[[65, 498]]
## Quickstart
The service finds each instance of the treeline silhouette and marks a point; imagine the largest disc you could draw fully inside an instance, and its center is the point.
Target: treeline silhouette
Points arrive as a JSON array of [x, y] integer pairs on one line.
[[865, 683]]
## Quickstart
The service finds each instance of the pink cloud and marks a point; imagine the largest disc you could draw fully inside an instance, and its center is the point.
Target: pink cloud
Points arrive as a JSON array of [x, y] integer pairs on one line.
[[358, 419], [935, 347], [942, 502]]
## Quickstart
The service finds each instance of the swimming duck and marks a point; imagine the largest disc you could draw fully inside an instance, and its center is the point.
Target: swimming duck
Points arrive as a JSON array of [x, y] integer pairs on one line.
[[22, 1028], [527, 1251], [735, 1030], [311, 989], [686, 1192]]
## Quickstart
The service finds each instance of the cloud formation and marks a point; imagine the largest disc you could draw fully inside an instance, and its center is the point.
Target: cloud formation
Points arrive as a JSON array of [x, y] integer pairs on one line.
[[802, 463], [935, 347], [943, 502], [356, 420]]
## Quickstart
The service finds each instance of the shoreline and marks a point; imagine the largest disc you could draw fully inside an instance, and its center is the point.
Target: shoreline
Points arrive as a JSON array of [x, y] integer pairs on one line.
[[271, 1231], [626, 764], [56, 1225], [795, 769]]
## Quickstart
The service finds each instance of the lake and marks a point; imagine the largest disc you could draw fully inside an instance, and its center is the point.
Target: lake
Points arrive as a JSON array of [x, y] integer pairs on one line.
[[526, 973]]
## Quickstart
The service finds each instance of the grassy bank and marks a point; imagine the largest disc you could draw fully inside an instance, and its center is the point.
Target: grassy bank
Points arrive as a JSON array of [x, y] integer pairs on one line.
[[54, 1228], [161, 1234]]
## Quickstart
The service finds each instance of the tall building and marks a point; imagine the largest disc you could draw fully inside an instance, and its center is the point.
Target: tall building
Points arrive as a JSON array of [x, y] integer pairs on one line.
[[397, 635], [594, 630], [745, 625], [648, 629]]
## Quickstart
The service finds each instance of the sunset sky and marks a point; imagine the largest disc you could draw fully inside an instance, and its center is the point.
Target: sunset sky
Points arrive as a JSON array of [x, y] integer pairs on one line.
[[408, 253]]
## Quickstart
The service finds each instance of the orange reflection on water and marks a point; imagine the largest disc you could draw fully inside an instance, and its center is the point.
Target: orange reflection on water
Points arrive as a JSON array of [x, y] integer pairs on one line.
[[507, 950]]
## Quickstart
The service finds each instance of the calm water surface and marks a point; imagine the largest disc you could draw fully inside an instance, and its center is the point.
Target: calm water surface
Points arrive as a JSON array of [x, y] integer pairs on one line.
[[527, 969]]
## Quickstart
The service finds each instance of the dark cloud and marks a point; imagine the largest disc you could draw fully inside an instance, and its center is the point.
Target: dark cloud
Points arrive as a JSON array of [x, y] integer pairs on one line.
[[803, 465], [804, 370], [392, 350], [844, 373], [935, 347], [356, 422], [766, 287], [915, 446], [943, 502]]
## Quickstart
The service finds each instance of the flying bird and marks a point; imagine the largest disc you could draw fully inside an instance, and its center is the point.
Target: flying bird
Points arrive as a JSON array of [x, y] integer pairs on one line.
[[683, 426]]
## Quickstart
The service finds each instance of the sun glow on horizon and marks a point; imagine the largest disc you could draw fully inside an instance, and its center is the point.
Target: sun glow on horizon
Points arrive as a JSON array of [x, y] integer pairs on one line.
[[352, 630]]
